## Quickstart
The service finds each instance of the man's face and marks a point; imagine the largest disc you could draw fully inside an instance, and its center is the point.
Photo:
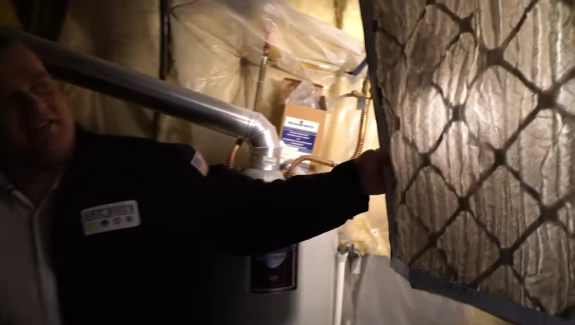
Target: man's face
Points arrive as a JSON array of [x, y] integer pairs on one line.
[[36, 125]]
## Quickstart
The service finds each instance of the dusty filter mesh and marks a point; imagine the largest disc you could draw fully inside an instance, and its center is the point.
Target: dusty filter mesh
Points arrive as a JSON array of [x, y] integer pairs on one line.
[[479, 100]]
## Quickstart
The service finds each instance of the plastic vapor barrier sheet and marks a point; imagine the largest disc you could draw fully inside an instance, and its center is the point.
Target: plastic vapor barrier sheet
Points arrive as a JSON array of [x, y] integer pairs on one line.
[[479, 104]]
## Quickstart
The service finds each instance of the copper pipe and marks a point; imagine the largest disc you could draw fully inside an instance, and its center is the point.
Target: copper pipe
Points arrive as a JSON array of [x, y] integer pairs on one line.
[[360, 137], [312, 158], [232, 158], [363, 120]]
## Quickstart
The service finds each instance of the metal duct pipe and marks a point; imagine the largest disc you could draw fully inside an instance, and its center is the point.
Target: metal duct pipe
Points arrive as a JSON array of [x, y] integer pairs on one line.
[[114, 80]]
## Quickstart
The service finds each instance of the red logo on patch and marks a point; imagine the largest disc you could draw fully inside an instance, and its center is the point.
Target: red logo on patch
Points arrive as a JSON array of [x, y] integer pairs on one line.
[[117, 220]]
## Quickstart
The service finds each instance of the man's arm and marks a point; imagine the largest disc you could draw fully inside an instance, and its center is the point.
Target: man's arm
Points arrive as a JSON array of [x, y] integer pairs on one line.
[[262, 216], [248, 216]]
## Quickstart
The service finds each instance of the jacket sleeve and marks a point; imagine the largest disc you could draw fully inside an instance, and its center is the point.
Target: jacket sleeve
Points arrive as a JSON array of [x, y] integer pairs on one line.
[[249, 216]]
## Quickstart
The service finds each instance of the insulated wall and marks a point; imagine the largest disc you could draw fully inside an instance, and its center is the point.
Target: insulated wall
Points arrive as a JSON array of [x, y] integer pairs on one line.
[[123, 32], [478, 98], [217, 47]]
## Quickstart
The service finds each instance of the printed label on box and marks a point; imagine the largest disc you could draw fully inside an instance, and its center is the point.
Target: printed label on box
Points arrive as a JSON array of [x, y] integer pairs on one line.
[[299, 136]]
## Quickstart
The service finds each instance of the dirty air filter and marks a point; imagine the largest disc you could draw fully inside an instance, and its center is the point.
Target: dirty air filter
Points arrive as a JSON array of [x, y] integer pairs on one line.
[[477, 100]]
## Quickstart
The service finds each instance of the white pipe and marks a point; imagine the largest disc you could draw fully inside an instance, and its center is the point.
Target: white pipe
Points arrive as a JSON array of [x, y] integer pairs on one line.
[[339, 286]]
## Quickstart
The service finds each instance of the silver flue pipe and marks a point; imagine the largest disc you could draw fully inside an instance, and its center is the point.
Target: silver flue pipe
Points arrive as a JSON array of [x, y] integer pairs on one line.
[[114, 80]]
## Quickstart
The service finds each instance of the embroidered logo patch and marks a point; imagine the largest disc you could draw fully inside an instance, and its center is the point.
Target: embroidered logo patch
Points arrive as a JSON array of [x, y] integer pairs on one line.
[[108, 217], [200, 164]]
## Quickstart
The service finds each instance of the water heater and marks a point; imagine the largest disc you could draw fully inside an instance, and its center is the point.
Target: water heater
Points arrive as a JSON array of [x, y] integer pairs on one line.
[[290, 286], [274, 271]]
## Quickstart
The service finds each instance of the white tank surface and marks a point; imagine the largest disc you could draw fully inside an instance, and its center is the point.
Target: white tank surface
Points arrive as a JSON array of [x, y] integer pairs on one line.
[[310, 304]]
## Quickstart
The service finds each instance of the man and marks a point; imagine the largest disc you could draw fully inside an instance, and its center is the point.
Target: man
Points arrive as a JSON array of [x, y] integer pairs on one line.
[[99, 229]]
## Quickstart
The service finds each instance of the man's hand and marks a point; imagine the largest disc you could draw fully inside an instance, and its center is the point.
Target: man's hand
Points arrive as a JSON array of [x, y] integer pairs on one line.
[[371, 165]]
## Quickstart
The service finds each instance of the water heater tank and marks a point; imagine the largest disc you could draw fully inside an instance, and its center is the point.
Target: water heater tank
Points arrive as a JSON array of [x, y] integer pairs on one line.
[[311, 303]]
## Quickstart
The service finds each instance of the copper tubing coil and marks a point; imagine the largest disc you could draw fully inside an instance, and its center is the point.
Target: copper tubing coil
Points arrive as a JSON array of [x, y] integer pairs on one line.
[[232, 158], [363, 120], [312, 158], [362, 131]]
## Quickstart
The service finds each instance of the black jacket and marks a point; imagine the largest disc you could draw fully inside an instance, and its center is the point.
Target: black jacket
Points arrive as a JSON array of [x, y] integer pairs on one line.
[[152, 273]]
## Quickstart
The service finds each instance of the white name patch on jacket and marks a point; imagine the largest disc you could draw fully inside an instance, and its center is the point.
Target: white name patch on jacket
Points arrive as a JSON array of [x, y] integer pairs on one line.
[[108, 217]]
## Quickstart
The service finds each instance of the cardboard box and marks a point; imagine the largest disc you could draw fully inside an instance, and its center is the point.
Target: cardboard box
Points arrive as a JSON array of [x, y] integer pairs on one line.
[[301, 129]]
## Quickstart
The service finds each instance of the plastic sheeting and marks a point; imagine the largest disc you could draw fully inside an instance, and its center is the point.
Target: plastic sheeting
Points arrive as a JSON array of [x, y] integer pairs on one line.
[[479, 103], [377, 295], [217, 48]]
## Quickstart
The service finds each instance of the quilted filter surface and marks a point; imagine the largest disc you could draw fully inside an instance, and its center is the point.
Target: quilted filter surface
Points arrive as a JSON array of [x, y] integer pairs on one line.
[[479, 101]]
